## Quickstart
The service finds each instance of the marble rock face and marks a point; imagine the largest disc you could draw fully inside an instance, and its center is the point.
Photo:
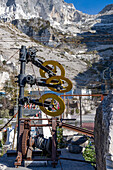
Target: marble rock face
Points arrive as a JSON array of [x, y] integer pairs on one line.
[[104, 134]]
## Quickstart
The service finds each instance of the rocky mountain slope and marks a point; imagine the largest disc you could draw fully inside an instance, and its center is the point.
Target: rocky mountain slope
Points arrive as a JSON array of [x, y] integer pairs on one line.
[[81, 42], [61, 15], [11, 40], [107, 10]]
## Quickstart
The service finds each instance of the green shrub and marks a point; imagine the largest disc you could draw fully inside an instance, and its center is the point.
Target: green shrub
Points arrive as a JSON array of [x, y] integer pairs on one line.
[[60, 137], [89, 153], [1, 121], [1, 113], [4, 113], [77, 110]]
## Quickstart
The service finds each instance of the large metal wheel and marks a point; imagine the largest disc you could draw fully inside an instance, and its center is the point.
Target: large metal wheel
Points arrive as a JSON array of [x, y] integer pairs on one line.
[[55, 66], [25, 138], [64, 82], [56, 103]]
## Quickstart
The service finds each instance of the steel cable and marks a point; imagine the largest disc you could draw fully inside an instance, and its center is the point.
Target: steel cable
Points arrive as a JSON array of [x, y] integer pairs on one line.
[[41, 97], [8, 122]]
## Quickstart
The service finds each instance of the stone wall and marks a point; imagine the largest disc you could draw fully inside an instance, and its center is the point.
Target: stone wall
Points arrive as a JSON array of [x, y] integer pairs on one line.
[[103, 133]]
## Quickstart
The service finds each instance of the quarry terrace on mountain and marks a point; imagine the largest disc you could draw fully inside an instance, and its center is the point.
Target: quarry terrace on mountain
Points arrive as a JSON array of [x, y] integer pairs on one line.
[[55, 69]]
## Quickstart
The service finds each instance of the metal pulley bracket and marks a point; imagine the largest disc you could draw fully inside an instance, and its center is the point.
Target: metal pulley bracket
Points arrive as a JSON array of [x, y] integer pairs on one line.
[[56, 81], [49, 103], [50, 67], [29, 100], [31, 57], [54, 66], [30, 80], [52, 83], [56, 103], [63, 84], [31, 54]]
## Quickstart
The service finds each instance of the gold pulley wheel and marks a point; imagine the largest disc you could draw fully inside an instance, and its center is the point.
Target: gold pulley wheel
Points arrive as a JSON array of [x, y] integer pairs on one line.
[[64, 82], [54, 66], [57, 104]]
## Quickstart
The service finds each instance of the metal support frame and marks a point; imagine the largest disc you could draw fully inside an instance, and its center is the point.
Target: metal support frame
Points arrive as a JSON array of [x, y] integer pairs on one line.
[[101, 95], [80, 111], [25, 123], [19, 152], [31, 57], [80, 99], [22, 59], [25, 57]]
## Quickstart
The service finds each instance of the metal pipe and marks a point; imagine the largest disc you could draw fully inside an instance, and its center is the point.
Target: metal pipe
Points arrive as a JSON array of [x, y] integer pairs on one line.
[[80, 112], [40, 125], [68, 119], [54, 137], [34, 119], [40, 159], [22, 59], [78, 129], [81, 95], [71, 159]]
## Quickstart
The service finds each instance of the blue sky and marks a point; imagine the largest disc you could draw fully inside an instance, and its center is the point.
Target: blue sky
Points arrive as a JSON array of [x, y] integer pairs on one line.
[[90, 6]]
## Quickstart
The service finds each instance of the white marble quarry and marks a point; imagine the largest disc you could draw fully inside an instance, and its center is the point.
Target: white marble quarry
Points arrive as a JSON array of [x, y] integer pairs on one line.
[[104, 134]]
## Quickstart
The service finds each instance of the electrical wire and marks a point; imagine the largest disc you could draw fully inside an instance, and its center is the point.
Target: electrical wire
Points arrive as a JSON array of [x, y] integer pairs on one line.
[[8, 122]]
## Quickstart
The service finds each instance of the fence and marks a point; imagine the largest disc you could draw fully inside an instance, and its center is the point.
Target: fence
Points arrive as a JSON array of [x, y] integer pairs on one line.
[[82, 107]]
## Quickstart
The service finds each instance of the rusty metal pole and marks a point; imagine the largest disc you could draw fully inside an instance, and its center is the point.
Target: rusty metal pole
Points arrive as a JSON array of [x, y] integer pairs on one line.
[[18, 160], [22, 59], [64, 115], [67, 106], [80, 112], [54, 145]]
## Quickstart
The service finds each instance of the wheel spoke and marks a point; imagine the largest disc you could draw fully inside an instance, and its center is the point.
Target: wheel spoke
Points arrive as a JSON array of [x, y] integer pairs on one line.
[[55, 108], [52, 101], [56, 67]]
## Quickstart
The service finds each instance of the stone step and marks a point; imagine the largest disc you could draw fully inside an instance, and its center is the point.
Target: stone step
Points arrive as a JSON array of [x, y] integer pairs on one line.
[[34, 163]]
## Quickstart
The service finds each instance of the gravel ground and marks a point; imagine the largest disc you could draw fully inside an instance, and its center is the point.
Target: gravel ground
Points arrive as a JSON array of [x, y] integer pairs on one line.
[[7, 163]]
